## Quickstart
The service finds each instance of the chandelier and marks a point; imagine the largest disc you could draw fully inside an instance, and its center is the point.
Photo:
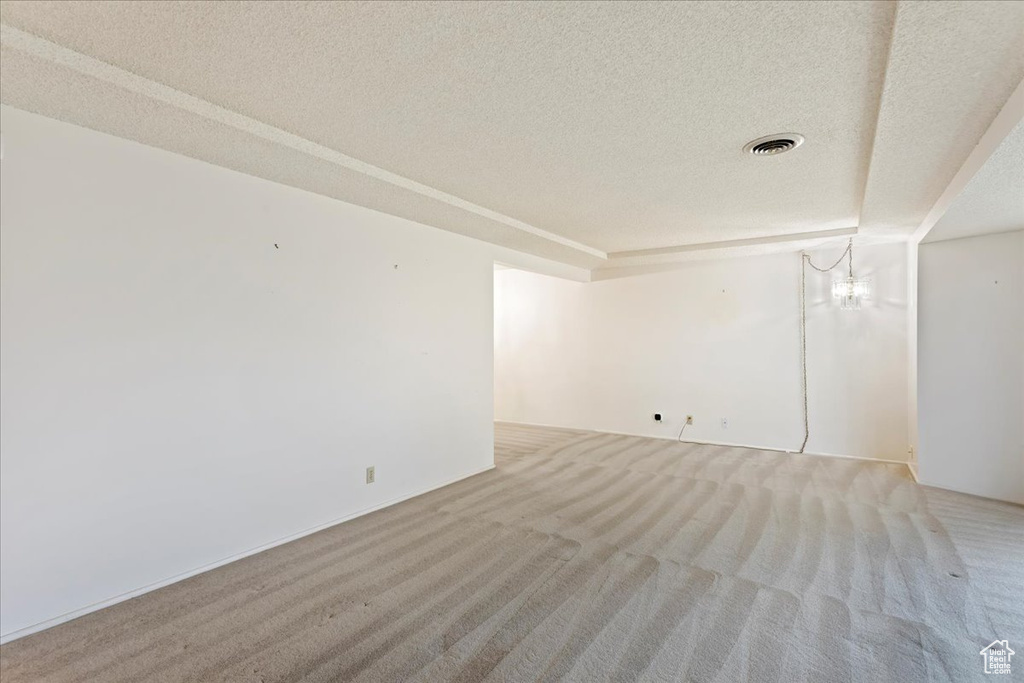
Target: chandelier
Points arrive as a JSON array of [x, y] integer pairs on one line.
[[849, 291]]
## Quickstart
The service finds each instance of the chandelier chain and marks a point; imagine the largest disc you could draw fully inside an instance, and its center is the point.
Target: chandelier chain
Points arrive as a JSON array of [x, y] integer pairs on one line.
[[848, 250]]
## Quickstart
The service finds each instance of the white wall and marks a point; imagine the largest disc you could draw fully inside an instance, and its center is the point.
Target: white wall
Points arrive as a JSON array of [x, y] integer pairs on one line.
[[176, 390], [971, 365], [713, 339], [912, 435]]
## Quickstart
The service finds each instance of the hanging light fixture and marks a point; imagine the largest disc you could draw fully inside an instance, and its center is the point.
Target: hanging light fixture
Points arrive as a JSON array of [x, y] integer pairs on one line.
[[850, 291]]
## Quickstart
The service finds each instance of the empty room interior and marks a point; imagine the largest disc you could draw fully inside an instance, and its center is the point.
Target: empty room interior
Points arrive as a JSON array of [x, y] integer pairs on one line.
[[511, 341]]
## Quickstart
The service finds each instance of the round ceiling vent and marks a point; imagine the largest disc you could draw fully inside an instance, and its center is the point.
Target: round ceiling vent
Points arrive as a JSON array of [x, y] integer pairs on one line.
[[774, 144]]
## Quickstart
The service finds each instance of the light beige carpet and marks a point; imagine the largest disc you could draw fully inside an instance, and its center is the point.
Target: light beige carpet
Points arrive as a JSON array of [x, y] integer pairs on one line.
[[593, 557]]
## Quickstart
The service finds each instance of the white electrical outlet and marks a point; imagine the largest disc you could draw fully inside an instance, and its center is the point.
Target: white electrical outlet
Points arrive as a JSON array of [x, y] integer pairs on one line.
[[689, 419], [369, 475], [725, 423]]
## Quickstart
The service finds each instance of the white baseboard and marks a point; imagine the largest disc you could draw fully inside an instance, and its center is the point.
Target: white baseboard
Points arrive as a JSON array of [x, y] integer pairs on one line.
[[74, 614], [710, 443]]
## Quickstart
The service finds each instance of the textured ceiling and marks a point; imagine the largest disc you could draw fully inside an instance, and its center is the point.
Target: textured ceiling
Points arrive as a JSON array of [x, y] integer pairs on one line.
[[993, 200], [568, 130], [952, 68]]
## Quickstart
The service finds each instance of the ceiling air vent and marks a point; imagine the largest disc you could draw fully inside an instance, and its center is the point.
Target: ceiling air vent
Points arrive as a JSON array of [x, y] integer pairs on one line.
[[774, 144]]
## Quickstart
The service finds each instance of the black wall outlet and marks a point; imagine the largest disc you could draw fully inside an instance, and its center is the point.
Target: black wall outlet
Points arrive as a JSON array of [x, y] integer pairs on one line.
[[657, 417]]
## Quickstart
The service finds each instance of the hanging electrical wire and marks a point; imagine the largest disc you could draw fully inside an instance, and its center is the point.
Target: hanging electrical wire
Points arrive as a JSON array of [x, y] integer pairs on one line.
[[805, 260]]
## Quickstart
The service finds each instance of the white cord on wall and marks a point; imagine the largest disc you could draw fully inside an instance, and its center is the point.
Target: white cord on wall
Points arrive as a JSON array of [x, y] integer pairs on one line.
[[680, 437]]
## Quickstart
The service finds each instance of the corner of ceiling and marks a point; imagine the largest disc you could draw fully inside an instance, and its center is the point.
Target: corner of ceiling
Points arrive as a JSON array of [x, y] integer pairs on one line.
[[1005, 121]]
